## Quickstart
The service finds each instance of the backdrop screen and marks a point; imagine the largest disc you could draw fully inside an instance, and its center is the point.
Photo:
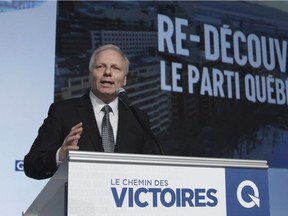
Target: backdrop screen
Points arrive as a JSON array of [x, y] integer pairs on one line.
[[211, 75]]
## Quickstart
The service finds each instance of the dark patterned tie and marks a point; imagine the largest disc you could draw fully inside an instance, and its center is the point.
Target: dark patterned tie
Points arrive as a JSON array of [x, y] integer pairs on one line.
[[107, 131]]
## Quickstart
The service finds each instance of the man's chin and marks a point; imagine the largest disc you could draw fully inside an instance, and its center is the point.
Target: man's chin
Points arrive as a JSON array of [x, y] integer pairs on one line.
[[107, 96], [108, 91]]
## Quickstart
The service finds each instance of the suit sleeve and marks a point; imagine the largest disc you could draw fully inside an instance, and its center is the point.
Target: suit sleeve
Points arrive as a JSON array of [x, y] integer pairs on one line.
[[40, 162]]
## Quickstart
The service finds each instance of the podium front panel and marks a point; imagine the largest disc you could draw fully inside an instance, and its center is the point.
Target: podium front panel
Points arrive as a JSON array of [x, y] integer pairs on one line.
[[120, 188]]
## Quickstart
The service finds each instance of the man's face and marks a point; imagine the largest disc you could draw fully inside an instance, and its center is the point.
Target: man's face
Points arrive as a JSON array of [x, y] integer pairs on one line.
[[108, 75]]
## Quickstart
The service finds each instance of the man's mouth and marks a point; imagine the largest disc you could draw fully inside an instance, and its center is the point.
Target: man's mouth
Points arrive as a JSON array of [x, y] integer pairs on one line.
[[107, 82]]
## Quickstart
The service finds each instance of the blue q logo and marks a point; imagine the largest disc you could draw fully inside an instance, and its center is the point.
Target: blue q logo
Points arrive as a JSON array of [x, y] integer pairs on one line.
[[245, 190], [254, 197], [19, 165]]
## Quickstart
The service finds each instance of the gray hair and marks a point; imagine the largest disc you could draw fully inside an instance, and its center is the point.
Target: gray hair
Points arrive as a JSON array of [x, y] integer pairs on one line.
[[109, 47]]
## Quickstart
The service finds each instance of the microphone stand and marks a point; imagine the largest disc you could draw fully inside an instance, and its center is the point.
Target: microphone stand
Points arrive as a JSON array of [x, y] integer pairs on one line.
[[147, 129], [121, 93]]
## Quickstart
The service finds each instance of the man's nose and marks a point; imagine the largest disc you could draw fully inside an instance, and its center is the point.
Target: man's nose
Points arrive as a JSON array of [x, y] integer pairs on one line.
[[108, 71]]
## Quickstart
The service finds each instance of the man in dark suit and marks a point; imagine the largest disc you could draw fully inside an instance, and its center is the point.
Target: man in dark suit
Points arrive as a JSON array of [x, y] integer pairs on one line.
[[75, 124]]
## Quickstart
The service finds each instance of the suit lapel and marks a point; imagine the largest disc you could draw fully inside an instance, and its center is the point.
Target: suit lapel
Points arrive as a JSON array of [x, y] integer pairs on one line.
[[89, 123]]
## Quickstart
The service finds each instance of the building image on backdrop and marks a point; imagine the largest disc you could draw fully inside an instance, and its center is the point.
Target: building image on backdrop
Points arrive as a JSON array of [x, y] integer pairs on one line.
[[228, 120]]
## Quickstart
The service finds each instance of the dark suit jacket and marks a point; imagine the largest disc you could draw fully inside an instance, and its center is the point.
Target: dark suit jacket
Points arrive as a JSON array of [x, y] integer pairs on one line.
[[40, 162]]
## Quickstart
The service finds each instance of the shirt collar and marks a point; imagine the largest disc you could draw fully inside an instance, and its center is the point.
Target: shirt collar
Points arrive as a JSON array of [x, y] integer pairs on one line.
[[98, 104]]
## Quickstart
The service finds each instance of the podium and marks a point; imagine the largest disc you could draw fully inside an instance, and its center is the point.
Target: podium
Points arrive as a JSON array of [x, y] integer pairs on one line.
[[106, 184]]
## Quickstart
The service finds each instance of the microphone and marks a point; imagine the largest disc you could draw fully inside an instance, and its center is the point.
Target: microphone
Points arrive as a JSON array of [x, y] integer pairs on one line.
[[121, 93]]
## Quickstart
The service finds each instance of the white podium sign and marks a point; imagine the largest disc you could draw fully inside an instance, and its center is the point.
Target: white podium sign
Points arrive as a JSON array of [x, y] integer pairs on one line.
[[124, 190]]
